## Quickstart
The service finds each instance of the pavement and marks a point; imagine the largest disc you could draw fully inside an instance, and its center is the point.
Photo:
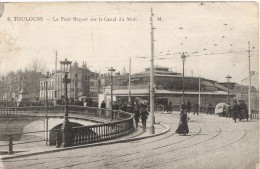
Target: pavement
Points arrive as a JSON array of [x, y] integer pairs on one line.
[[213, 143]]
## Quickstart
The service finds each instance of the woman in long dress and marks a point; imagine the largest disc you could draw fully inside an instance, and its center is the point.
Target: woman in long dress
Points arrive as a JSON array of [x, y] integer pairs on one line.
[[183, 124]]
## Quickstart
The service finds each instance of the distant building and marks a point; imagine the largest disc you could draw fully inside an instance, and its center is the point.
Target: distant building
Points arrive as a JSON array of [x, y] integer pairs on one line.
[[254, 80], [47, 84], [168, 87], [83, 83], [241, 91]]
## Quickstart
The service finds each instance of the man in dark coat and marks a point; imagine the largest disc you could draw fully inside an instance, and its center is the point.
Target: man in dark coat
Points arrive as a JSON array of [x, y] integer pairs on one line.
[[239, 110], [144, 115], [236, 110], [244, 110]]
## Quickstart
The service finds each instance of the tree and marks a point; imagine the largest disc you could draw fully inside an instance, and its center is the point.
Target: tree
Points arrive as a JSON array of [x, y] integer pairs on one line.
[[35, 74], [37, 66]]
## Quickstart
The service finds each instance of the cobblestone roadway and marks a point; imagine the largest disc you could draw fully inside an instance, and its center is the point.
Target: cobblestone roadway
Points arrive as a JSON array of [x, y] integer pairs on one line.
[[213, 143]]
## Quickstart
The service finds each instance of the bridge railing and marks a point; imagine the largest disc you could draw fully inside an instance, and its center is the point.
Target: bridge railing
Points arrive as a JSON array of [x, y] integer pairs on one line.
[[79, 110], [119, 123], [96, 133], [254, 114]]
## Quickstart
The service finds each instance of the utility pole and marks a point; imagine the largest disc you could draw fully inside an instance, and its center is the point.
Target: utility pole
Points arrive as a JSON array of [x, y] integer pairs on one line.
[[152, 129], [228, 77], [199, 93], [46, 107], [55, 81], [249, 87], [129, 96], [183, 57], [111, 70]]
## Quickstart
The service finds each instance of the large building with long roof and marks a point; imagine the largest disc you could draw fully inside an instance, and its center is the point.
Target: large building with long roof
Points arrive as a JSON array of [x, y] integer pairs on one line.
[[168, 88]]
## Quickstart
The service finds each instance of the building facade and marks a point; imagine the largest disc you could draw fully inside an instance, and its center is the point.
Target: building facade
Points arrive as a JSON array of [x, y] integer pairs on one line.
[[83, 83], [47, 88]]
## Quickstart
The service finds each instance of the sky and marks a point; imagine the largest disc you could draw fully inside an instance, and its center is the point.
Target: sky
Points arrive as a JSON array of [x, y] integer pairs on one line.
[[214, 36]]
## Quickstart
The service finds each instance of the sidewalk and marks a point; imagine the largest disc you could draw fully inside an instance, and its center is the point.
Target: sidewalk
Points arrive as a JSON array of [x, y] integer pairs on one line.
[[40, 148]]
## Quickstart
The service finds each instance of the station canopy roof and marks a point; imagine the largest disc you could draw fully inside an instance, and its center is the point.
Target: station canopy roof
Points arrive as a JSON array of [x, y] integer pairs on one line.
[[145, 92]]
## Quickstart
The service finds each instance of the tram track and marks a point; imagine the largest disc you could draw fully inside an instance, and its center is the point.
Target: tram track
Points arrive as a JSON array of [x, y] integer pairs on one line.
[[114, 150], [133, 155], [106, 158], [202, 153]]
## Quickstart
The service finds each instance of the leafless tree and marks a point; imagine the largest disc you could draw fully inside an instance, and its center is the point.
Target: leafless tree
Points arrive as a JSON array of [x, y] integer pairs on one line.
[[37, 66]]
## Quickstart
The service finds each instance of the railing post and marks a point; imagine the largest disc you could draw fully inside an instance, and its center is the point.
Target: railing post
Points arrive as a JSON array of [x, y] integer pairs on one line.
[[10, 145], [58, 140]]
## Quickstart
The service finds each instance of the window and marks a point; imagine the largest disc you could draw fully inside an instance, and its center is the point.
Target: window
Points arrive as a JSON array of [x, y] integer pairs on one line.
[[42, 83]]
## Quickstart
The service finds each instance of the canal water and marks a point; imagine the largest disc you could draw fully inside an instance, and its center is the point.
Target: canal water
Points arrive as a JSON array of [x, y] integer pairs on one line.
[[18, 125]]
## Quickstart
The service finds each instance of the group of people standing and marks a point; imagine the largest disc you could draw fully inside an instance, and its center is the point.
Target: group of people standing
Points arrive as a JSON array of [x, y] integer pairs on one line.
[[138, 107], [239, 111], [140, 112], [188, 107]]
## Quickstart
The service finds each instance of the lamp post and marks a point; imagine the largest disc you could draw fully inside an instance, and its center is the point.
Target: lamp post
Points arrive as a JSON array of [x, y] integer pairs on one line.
[[66, 128], [46, 107], [111, 75], [129, 85], [183, 58], [228, 77]]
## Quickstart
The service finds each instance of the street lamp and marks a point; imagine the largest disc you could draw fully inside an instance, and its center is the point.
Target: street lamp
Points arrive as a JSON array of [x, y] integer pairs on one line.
[[46, 105], [111, 75], [65, 66], [183, 58], [228, 77]]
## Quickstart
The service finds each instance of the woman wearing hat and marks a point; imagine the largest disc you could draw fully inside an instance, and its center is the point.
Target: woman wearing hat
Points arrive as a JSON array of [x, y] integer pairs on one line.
[[183, 124]]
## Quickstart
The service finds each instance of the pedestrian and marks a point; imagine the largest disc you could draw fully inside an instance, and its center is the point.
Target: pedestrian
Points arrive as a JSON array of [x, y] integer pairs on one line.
[[183, 124], [244, 110], [196, 108], [188, 106], [144, 115], [239, 104], [183, 106], [124, 107], [235, 110], [137, 116], [224, 111], [170, 107], [228, 111], [130, 108], [209, 108]]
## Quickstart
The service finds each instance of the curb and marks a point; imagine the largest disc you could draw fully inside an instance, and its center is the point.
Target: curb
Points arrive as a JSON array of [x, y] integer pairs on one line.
[[167, 128]]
